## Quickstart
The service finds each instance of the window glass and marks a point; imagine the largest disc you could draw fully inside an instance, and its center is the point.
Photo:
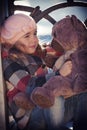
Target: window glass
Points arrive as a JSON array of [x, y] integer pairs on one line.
[[44, 26]]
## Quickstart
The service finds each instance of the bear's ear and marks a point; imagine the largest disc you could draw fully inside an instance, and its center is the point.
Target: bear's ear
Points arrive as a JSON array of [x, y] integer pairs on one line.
[[85, 22], [77, 24], [74, 20]]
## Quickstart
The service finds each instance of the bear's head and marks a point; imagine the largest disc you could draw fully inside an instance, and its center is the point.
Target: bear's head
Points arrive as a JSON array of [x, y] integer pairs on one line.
[[70, 33]]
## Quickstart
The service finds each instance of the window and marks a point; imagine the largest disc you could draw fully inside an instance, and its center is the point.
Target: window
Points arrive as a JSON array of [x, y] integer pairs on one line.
[[44, 26]]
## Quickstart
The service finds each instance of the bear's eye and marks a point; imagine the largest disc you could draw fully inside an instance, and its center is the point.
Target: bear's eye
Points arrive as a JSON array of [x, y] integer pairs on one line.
[[54, 35]]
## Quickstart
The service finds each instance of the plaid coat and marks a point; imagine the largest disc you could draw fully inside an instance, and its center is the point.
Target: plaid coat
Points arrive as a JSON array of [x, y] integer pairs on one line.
[[22, 70]]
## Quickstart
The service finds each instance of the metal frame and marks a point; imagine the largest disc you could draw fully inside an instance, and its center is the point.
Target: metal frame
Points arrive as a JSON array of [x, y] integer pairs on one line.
[[37, 14]]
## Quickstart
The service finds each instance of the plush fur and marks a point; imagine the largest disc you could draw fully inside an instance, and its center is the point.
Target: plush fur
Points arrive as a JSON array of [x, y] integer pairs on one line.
[[71, 34]]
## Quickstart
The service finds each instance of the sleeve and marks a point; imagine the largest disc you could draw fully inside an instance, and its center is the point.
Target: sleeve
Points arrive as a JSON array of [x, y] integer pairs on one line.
[[51, 51], [43, 79], [16, 74], [51, 56], [19, 77]]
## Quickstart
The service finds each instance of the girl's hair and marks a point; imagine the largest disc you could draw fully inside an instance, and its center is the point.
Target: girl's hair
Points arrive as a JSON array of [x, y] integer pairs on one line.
[[40, 51]]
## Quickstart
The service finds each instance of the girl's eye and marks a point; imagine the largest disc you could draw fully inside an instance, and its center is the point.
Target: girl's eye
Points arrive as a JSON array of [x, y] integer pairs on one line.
[[27, 36]]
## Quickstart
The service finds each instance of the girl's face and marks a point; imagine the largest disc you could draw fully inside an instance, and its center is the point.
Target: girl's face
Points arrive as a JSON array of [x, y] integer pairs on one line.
[[28, 43]]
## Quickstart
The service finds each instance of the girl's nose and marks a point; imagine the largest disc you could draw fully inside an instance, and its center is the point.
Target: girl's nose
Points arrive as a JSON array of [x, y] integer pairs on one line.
[[34, 39]]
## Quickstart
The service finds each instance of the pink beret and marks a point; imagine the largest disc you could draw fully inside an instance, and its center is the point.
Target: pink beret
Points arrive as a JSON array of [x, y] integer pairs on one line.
[[70, 32], [15, 27]]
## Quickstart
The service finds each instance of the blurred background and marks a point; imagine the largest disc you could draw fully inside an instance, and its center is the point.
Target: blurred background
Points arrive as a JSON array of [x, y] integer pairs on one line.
[[44, 26]]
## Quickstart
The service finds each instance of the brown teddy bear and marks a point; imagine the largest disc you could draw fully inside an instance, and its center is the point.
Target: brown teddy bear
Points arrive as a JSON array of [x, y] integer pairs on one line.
[[71, 34]]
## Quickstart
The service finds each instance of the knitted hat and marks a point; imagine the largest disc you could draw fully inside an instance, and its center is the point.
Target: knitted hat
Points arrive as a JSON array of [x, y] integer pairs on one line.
[[70, 32], [15, 27]]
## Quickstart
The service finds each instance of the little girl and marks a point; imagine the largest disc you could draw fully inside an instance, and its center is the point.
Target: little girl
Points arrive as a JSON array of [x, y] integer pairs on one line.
[[23, 65]]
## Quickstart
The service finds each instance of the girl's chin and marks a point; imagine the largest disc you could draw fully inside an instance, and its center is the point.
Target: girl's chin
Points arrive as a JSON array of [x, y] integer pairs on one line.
[[30, 52]]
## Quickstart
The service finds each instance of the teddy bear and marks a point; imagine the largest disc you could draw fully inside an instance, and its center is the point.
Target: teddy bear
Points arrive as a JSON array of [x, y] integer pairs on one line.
[[71, 34]]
